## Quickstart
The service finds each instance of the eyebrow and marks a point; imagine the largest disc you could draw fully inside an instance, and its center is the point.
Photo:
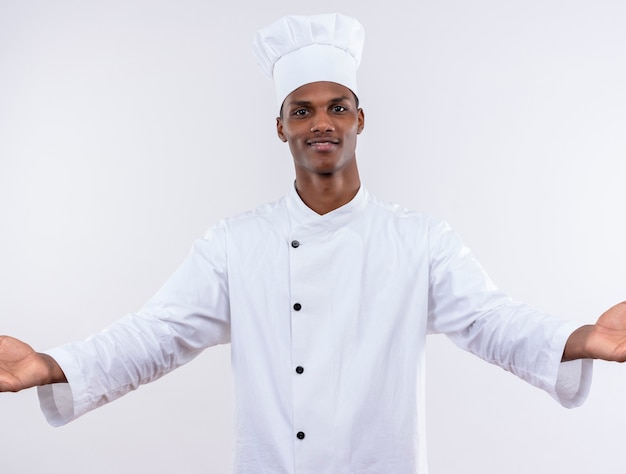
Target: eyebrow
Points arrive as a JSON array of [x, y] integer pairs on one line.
[[307, 103]]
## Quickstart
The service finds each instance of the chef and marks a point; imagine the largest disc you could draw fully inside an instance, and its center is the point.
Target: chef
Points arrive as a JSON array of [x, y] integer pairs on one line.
[[326, 297]]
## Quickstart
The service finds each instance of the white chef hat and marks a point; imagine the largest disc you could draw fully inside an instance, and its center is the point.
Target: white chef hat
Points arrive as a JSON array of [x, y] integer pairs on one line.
[[298, 50]]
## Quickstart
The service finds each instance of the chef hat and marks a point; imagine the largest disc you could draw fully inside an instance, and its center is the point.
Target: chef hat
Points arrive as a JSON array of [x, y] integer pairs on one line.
[[298, 50]]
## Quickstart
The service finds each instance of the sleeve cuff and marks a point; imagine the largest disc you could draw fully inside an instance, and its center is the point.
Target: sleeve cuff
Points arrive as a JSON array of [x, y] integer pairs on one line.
[[573, 382], [573, 378], [57, 401]]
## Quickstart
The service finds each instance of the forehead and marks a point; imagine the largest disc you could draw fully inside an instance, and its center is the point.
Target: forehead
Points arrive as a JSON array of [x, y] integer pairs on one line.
[[319, 92]]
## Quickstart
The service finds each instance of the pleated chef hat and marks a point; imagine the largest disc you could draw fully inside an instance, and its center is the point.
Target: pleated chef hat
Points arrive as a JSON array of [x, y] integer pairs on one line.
[[298, 50]]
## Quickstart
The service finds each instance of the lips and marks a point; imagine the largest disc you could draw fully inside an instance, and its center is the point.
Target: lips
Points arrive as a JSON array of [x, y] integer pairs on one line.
[[323, 144]]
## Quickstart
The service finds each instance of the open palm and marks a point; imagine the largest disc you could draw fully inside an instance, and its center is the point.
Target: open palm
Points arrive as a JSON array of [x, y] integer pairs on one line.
[[20, 366], [608, 339]]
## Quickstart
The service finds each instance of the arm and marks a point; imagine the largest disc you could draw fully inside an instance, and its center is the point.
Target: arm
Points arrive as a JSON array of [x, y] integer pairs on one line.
[[188, 314], [606, 339], [21, 367], [467, 307]]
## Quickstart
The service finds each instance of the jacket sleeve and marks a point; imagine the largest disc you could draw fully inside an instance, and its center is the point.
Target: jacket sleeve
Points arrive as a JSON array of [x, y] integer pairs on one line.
[[465, 305], [188, 314]]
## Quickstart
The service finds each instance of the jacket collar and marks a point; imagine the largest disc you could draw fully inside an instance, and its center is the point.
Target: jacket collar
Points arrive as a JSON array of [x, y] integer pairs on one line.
[[301, 214]]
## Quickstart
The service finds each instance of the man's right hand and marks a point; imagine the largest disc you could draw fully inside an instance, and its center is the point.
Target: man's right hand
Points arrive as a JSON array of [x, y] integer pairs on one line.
[[21, 367]]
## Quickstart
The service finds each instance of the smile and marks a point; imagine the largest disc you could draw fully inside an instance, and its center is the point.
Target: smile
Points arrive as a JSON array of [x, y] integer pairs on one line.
[[323, 144]]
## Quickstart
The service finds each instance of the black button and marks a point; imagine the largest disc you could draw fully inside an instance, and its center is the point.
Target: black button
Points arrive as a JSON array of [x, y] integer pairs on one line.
[[300, 435], [295, 244], [299, 369], [297, 306]]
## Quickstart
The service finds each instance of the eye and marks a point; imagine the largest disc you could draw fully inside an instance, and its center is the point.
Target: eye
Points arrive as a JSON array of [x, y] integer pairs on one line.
[[339, 109], [300, 113]]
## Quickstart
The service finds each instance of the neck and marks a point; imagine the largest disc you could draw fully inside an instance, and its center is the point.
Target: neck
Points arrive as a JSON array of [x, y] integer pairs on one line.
[[325, 193]]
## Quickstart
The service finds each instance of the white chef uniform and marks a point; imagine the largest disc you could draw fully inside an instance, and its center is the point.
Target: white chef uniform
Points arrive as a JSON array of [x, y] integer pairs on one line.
[[327, 317]]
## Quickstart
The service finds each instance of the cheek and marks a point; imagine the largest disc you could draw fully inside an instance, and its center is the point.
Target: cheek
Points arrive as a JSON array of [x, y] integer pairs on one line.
[[293, 138], [351, 136], [294, 147], [289, 135]]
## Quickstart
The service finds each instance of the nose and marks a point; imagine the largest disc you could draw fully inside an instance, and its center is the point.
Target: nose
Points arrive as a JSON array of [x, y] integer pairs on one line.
[[322, 123]]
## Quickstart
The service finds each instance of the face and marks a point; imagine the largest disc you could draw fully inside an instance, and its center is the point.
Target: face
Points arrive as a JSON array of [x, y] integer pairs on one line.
[[320, 122]]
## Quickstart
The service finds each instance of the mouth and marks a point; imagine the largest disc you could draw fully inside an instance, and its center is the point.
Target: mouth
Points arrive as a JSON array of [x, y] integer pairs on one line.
[[323, 144]]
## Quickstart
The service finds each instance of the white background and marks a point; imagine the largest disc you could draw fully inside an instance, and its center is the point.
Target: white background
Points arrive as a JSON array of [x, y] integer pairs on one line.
[[128, 127]]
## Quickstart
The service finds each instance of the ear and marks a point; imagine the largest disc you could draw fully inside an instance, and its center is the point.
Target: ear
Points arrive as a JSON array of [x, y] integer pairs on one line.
[[279, 130], [361, 120]]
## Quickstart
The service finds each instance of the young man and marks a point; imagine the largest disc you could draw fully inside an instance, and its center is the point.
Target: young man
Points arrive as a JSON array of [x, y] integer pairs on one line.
[[326, 297]]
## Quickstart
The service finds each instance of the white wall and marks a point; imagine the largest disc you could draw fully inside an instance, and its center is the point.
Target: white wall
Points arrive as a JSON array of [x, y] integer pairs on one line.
[[128, 127]]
